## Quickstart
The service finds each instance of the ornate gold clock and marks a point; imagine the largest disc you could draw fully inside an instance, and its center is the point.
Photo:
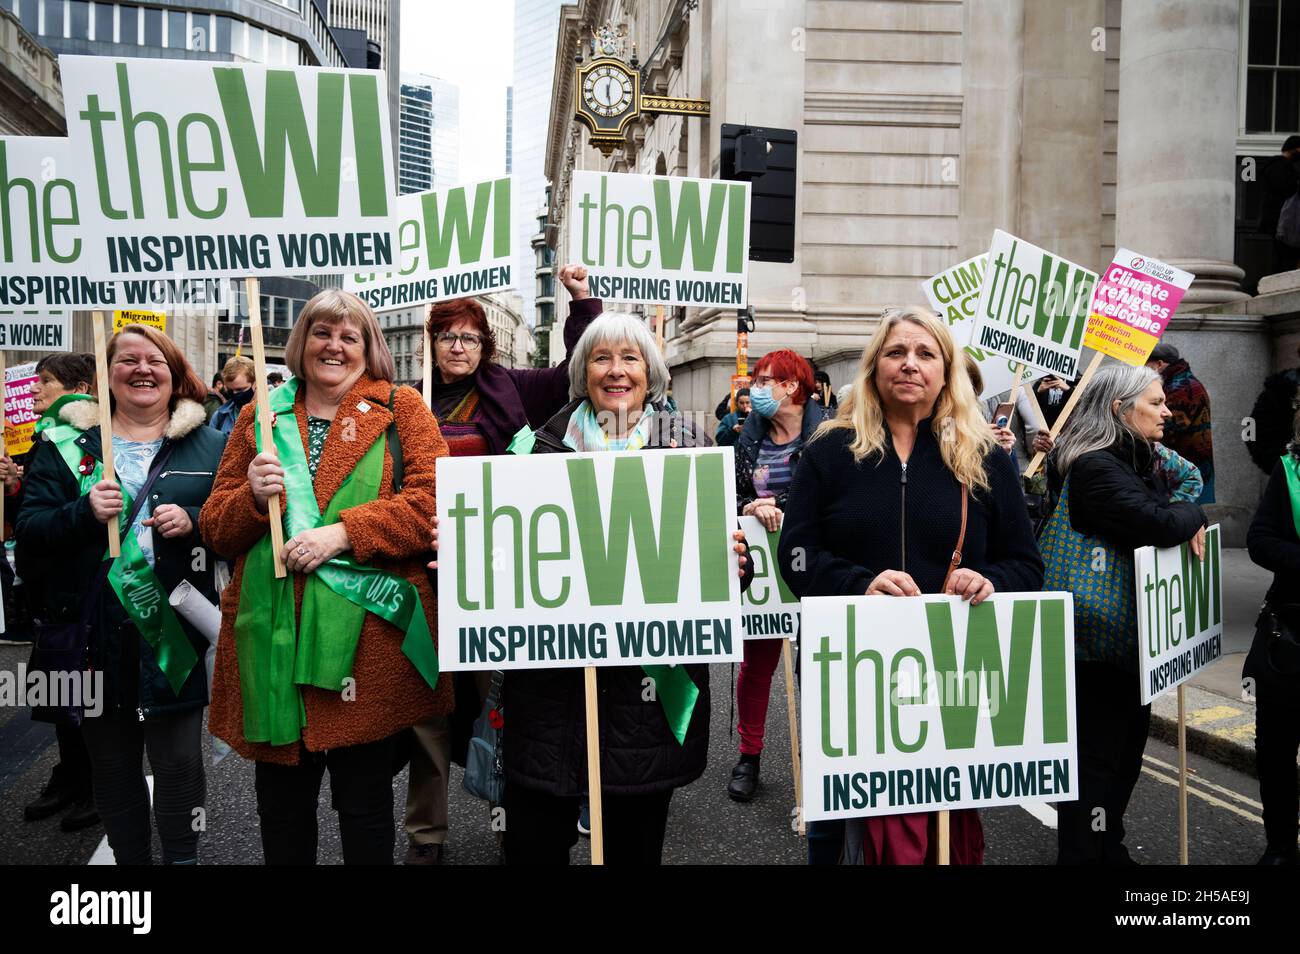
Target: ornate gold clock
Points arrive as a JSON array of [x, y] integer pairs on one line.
[[609, 94]]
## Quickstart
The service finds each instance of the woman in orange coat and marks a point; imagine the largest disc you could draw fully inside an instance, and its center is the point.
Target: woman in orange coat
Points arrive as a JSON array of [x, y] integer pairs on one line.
[[322, 670]]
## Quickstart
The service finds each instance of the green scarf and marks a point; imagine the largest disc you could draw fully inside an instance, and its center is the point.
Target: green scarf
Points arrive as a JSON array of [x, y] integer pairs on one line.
[[137, 586], [1291, 467], [275, 654]]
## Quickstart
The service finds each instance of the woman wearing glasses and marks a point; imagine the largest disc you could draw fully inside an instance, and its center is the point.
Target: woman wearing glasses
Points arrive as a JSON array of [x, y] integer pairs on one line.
[[480, 406], [782, 421]]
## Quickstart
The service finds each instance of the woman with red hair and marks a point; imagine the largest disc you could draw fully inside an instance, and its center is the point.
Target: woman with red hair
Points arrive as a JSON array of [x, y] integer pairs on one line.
[[480, 406], [781, 422]]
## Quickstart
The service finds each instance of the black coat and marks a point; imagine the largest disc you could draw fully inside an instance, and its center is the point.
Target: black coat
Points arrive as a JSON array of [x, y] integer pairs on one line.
[[60, 546], [1272, 539], [1116, 495], [849, 520], [545, 733], [1274, 545]]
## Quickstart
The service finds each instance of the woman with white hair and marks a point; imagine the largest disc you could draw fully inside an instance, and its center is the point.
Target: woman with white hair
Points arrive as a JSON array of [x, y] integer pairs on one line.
[[650, 745], [1114, 498], [904, 475]]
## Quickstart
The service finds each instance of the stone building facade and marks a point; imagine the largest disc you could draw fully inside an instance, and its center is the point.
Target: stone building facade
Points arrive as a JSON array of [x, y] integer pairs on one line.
[[1080, 125]]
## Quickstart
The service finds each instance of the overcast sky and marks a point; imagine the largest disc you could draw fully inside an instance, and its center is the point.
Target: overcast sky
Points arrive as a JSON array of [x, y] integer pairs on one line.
[[470, 43]]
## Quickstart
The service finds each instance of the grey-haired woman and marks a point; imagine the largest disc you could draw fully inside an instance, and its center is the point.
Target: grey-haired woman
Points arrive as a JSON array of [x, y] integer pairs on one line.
[[619, 383], [1104, 460]]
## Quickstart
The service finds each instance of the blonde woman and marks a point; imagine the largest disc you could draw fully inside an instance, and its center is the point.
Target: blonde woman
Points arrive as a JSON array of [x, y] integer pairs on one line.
[[876, 508]]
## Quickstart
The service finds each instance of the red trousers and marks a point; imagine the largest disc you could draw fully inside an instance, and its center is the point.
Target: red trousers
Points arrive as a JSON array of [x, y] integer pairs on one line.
[[754, 689]]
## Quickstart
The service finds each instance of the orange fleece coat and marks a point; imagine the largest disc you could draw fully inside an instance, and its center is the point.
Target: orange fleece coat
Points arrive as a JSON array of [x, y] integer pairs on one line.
[[391, 532]]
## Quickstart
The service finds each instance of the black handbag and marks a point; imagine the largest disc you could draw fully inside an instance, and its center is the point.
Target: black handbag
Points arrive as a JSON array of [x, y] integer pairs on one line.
[[60, 650], [1280, 629]]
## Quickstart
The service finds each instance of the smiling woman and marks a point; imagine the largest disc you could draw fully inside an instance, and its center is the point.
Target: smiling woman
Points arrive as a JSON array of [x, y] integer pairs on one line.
[[155, 685], [354, 457]]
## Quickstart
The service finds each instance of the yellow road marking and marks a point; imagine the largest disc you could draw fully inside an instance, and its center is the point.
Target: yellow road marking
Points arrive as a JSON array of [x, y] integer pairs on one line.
[[1211, 714], [1202, 795], [1192, 776]]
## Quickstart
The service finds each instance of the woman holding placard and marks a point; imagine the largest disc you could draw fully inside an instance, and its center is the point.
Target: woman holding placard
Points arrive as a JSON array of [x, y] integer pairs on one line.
[[650, 743], [480, 406], [1114, 498], [905, 474], [155, 685], [323, 668], [783, 421]]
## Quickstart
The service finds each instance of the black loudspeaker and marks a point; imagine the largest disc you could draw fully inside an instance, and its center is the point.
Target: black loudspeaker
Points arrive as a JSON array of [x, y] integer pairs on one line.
[[766, 158]]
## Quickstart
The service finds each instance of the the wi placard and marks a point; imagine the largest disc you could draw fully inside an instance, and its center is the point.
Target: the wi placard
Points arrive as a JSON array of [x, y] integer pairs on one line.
[[954, 295], [661, 240], [44, 242], [1179, 611], [1033, 306], [192, 168], [924, 703], [771, 610], [453, 243], [606, 559], [35, 331]]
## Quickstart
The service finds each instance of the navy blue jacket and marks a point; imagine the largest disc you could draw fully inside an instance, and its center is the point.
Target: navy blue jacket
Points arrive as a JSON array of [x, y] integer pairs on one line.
[[751, 438], [849, 520]]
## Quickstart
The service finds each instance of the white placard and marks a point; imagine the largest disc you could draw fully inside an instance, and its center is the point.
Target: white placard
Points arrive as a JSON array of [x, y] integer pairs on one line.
[[665, 240], [606, 559], [920, 703], [1179, 613]]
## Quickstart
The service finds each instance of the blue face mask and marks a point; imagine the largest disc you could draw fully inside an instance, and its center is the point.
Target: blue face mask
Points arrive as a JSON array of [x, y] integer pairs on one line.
[[761, 400]]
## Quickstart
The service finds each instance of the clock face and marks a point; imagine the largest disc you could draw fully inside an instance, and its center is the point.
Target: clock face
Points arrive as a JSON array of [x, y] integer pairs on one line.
[[607, 91]]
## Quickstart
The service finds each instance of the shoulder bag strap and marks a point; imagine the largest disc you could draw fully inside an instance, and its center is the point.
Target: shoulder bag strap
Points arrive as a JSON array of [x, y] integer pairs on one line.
[[124, 527], [961, 539]]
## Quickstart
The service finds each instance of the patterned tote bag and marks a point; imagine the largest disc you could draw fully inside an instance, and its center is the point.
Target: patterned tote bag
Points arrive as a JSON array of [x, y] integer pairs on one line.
[[1101, 579]]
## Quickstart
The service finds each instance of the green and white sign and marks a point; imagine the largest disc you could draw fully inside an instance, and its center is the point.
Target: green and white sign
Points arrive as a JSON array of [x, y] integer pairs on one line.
[[1033, 307], [35, 331], [954, 294], [1180, 613], [453, 243], [203, 169], [606, 559], [924, 703], [43, 243], [661, 240], [771, 610]]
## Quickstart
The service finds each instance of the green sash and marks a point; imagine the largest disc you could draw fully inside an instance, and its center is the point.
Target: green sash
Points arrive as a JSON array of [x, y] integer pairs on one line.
[[1291, 467], [276, 655], [137, 586]]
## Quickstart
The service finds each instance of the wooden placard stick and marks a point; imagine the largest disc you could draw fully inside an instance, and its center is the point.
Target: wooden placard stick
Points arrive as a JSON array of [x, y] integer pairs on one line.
[[1065, 411], [945, 838], [1015, 392], [253, 289], [659, 327], [105, 423], [1182, 776], [593, 770], [788, 655], [428, 366]]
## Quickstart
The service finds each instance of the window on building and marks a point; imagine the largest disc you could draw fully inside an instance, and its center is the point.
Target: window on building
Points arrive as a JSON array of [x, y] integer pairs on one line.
[[52, 22], [128, 26], [104, 23], [178, 37], [29, 15], [153, 27], [1273, 67], [79, 19]]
